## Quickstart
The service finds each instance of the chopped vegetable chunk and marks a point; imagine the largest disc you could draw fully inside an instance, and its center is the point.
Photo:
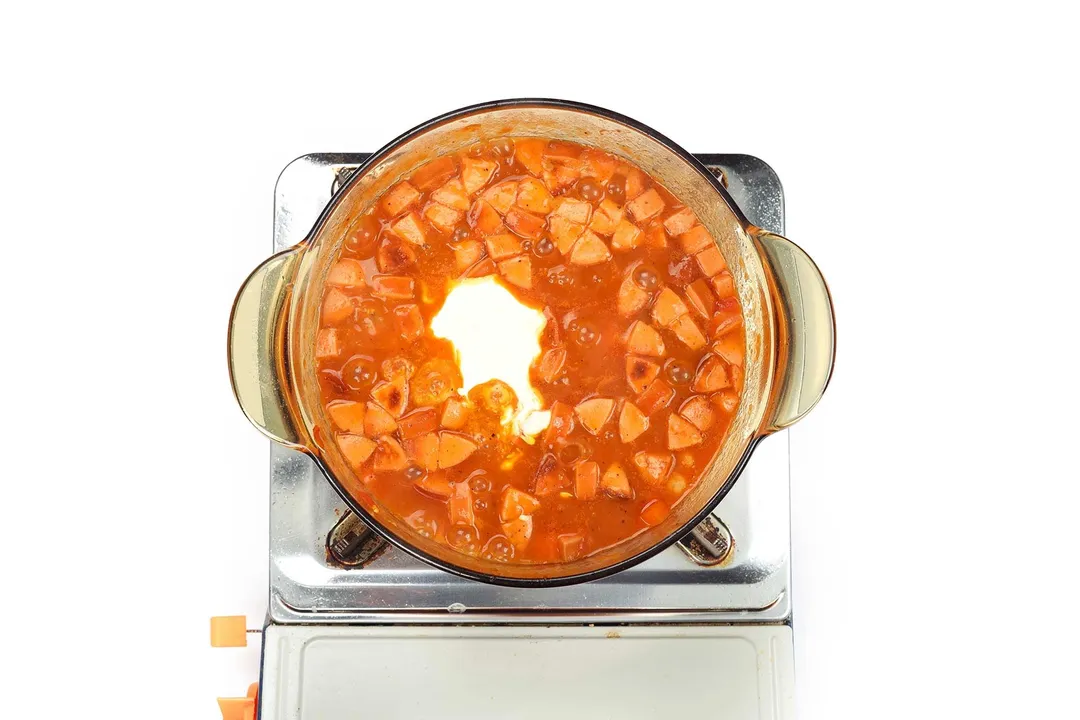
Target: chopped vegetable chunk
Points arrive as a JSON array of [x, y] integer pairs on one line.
[[356, 449], [347, 415], [644, 340], [582, 237], [615, 483], [400, 197], [589, 250], [594, 413], [632, 422]]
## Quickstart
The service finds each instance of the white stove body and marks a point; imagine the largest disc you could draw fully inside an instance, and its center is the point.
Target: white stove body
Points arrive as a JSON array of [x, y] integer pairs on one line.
[[398, 639]]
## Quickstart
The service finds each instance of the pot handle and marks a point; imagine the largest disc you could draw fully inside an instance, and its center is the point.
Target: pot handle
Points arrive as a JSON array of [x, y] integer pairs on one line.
[[255, 332], [807, 331]]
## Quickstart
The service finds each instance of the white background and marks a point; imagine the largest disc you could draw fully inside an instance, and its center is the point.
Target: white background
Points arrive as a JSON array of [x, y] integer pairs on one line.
[[929, 156]]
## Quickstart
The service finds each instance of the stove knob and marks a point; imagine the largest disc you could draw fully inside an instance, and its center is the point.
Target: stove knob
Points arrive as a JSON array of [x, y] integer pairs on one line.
[[228, 631], [245, 708]]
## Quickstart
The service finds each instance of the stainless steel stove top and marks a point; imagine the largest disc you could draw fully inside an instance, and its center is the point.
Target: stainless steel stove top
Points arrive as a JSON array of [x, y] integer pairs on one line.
[[307, 585]]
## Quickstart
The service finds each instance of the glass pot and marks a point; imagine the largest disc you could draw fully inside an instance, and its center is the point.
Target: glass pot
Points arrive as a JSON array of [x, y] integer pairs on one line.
[[787, 313]]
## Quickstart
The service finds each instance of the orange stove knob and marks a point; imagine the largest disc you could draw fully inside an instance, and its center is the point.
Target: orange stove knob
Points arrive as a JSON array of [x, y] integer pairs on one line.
[[244, 708]]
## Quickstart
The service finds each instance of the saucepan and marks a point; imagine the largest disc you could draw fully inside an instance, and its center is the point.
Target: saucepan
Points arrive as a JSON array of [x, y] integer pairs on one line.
[[787, 314]]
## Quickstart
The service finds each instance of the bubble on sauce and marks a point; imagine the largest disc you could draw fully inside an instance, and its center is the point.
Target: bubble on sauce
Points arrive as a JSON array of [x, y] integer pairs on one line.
[[498, 548], [464, 538], [414, 472], [646, 278], [359, 372], [543, 247], [589, 190], [678, 372]]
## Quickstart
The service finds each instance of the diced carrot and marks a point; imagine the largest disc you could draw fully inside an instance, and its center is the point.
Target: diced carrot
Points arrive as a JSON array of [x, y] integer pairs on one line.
[[615, 482], [476, 173], [668, 308], [577, 211], [645, 205], [454, 414], [397, 287], [710, 376], [530, 153], [516, 503], [409, 321], [635, 182], [726, 401], [546, 480], [346, 273], [632, 422], [399, 197], [524, 223], [653, 466], [442, 217], [389, 455], [723, 285], [598, 165], [655, 237], [377, 421], [485, 266], [711, 261], [644, 340], [655, 512], [409, 228], [626, 237], [594, 413], [562, 422], [681, 433], [518, 531], [433, 174], [356, 449], [501, 195], [607, 217], [435, 381], [571, 546], [656, 397], [336, 307], [730, 347], [700, 298], [564, 232], [503, 246], [640, 373], [695, 239], [393, 256], [517, 271], [560, 176], [680, 221], [436, 485], [484, 218], [452, 194], [347, 415], [460, 506], [726, 317], [391, 395], [589, 250], [534, 197], [698, 411], [454, 449], [424, 450], [676, 485], [467, 253], [586, 480], [551, 364], [326, 343], [418, 422], [631, 299], [689, 333]]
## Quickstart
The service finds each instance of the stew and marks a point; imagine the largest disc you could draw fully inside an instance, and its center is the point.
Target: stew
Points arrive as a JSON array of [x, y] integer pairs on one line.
[[637, 377]]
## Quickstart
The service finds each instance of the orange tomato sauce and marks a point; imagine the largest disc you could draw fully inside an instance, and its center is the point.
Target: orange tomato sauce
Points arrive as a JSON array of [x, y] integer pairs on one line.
[[641, 358]]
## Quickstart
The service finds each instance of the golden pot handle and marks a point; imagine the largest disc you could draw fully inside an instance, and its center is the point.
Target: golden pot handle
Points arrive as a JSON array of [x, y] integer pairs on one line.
[[255, 335], [807, 331]]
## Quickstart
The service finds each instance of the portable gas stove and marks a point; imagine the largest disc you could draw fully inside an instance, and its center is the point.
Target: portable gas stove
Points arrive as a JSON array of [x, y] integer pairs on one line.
[[358, 628]]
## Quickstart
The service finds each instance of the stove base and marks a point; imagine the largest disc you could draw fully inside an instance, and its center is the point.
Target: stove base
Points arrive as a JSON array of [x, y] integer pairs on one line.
[[476, 672]]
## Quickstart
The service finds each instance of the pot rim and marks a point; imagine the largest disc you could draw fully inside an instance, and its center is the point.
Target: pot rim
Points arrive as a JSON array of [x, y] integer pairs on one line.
[[366, 517]]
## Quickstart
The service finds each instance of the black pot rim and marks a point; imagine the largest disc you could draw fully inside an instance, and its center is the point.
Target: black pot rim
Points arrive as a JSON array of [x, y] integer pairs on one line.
[[488, 578]]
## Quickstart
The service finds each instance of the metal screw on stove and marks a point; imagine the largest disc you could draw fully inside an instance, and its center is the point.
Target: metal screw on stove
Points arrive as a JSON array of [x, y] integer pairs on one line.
[[709, 543], [351, 543]]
